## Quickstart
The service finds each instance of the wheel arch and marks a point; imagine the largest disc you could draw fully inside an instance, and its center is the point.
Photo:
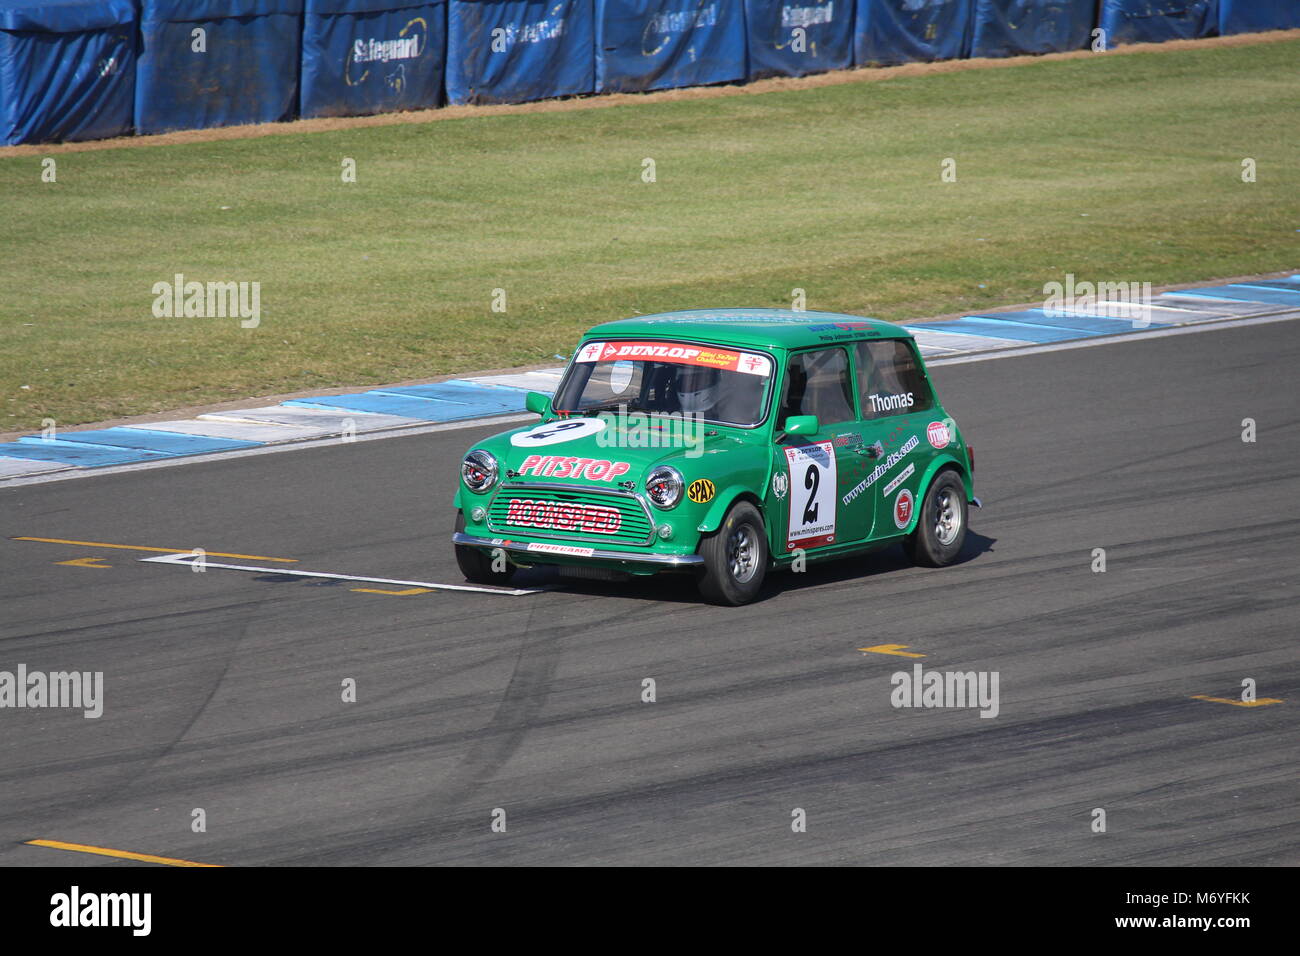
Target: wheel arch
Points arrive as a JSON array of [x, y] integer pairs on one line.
[[722, 504], [940, 463]]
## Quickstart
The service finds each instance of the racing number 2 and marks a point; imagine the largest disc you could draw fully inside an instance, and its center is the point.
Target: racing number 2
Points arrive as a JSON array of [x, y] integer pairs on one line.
[[811, 517], [557, 430], [811, 479]]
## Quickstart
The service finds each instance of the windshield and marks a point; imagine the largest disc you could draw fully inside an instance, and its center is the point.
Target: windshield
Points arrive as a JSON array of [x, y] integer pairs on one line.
[[713, 384]]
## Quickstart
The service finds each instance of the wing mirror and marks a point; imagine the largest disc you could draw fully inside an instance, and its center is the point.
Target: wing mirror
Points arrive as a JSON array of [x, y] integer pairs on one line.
[[537, 402], [802, 425]]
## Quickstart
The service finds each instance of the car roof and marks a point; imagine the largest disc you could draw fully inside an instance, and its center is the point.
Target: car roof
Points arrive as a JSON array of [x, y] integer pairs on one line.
[[756, 328]]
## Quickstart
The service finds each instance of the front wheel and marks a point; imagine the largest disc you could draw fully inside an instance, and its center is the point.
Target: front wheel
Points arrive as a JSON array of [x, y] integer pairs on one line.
[[941, 528], [735, 558], [477, 566]]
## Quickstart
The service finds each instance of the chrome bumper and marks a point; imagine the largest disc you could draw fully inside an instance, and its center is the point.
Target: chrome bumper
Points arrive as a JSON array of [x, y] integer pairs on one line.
[[597, 554]]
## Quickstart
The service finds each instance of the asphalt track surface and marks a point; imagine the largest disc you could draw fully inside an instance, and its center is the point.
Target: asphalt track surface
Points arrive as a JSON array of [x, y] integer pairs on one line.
[[223, 688]]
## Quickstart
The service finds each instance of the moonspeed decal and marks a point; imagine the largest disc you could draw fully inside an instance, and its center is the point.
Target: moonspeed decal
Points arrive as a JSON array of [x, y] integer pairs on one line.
[[552, 433], [563, 516], [882, 469], [701, 490], [812, 504], [902, 477], [937, 434], [557, 466], [728, 360]]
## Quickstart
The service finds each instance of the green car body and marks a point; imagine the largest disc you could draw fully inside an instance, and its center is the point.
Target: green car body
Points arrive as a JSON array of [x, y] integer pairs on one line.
[[573, 490]]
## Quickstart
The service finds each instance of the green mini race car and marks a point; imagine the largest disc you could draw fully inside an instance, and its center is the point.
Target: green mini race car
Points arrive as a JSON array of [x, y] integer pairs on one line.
[[722, 442]]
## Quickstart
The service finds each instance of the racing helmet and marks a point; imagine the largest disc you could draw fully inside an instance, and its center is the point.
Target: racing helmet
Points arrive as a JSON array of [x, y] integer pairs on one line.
[[697, 388]]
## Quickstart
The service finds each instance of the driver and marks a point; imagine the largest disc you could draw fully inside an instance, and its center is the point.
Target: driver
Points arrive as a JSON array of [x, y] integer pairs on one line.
[[698, 388]]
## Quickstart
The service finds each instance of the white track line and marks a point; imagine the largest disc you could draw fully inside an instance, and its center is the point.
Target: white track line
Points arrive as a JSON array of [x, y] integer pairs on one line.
[[405, 431], [188, 558], [1214, 326]]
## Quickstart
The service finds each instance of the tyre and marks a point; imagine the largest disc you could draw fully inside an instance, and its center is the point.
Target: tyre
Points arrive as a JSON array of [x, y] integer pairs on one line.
[[735, 558], [941, 527], [477, 566]]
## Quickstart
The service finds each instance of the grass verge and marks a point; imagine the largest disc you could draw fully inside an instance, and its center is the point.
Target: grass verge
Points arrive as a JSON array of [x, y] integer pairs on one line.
[[1112, 168]]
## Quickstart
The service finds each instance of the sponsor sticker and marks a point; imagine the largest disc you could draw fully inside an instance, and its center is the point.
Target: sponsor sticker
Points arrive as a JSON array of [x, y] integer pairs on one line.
[[937, 433], [729, 360], [903, 508], [563, 549], [846, 439], [812, 474], [558, 466], [902, 477], [563, 516], [552, 433], [780, 485], [882, 469], [701, 490], [838, 326]]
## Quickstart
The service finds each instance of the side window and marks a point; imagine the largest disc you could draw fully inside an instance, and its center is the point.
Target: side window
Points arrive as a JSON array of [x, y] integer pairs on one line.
[[890, 378], [817, 383]]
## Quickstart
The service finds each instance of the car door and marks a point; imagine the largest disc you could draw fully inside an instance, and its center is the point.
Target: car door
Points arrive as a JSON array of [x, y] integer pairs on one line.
[[894, 398], [812, 473]]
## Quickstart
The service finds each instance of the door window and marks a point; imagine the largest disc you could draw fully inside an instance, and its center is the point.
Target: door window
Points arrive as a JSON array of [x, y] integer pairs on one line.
[[891, 380], [817, 383]]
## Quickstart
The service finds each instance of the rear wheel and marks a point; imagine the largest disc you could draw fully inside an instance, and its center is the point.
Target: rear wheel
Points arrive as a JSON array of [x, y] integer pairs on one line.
[[941, 527], [735, 558], [477, 566]]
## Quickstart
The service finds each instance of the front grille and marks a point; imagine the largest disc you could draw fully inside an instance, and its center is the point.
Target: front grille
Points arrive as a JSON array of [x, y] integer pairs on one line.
[[570, 513]]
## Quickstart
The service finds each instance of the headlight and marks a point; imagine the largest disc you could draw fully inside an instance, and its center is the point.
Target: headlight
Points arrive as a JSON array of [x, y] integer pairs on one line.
[[479, 469], [664, 486]]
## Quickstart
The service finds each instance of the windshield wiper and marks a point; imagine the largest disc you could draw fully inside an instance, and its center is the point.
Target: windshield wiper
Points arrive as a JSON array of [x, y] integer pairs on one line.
[[611, 407]]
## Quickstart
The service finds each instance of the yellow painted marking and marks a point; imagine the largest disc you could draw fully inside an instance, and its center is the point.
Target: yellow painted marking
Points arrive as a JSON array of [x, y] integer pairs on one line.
[[85, 563], [120, 854], [895, 649], [141, 547], [399, 593], [1260, 702]]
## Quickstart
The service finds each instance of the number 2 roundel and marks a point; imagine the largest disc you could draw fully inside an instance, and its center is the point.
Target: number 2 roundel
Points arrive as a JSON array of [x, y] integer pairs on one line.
[[552, 433]]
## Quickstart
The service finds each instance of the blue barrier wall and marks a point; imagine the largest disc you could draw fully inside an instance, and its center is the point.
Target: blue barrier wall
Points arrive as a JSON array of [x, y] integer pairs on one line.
[[659, 44], [896, 31], [67, 69], [1019, 27], [1155, 21], [372, 56], [512, 51], [1253, 16], [794, 37], [247, 72], [89, 69]]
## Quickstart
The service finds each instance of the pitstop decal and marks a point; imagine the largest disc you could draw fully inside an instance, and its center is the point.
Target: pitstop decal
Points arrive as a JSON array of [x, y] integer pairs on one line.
[[558, 466], [813, 479]]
